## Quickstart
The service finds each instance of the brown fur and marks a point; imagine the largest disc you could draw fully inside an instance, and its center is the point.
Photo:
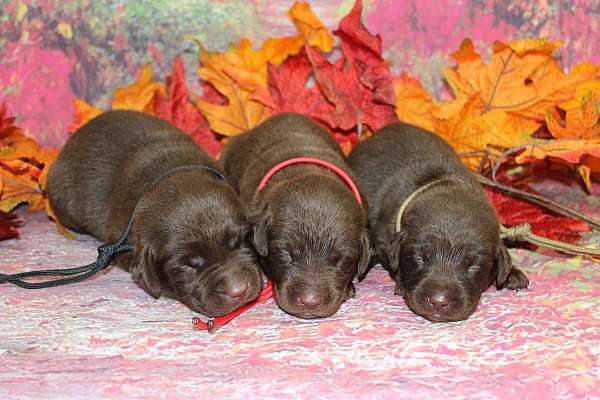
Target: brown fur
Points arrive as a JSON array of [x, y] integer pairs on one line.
[[189, 232], [449, 249], [308, 227]]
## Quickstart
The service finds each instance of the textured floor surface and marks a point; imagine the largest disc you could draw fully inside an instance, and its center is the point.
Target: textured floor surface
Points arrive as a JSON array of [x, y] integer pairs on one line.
[[105, 338]]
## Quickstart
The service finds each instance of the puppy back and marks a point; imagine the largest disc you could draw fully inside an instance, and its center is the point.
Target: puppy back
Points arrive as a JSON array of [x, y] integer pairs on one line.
[[106, 163], [247, 158]]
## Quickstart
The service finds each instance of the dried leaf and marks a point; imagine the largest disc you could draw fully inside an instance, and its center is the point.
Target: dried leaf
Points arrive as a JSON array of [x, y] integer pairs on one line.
[[139, 95], [354, 102], [288, 91], [582, 156], [363, 54], [521, 77], [471, 130], [8, 226], [581, 122], [83, 113], [513, 211], [23, 164], [241, 71], [414, 104], [175, 107], [310, 27]]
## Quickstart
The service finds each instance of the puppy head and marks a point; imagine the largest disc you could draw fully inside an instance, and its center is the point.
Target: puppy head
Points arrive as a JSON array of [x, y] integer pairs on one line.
[[312, 245], [445, 260], [199, 254]]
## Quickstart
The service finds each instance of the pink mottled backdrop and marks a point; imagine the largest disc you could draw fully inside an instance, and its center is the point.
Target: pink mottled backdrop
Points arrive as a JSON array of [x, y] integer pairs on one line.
[[52, 51], [105, 338]]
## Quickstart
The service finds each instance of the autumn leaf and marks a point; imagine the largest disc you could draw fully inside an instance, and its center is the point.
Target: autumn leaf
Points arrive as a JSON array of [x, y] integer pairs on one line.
[[235, 75], [581, 122], [8, 225], [521, 77], [414, 104], [19, 186], [83, 113], [174, 106], [471, 130], [139, 95], [241, 71], [363, 54], [583, 156], [23, 164], [354, 103], [310, 27], [513, 211], [288, 91]]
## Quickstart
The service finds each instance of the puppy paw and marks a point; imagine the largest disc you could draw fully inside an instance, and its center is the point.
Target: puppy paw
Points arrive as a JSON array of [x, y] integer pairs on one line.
[[399, 289], [516, 280], [350, 292]]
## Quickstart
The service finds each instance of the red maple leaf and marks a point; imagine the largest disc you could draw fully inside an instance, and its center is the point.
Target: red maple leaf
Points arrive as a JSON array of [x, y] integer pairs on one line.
[[288, 91], [8, 225], [175, 107], [363, 52], [354, 102], [513, 211]]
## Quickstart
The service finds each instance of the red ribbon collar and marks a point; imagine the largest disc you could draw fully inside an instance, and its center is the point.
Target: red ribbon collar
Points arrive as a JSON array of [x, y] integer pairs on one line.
[[310, 160], [267, 291]]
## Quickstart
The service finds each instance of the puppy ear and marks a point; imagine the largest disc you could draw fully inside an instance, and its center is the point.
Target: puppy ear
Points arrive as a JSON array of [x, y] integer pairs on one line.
[[365, 257], [260, 232], [143, 271], [394, 248], [502, 265]]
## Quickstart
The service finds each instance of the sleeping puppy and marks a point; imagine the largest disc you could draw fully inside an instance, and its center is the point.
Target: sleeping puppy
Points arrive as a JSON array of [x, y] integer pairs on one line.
[[448, 250], [189, 231], [309, 228]]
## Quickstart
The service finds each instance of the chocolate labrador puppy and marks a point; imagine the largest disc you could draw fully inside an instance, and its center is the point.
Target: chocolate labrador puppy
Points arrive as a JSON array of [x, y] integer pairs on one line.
[[189, 231], [448, 250], [309, 228]]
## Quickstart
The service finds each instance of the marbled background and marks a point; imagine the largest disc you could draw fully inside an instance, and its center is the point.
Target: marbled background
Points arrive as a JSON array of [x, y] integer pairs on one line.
[[52, 51]]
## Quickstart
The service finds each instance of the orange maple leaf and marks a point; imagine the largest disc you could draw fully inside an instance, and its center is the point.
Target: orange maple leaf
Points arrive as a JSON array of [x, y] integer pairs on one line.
[[580, 122], [23, 164], [139, 95], [473, 130], [241, 71], [414, 104], [521, 79]]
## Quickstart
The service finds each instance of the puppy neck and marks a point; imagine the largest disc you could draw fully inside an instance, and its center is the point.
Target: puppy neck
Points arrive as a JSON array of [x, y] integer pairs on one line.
[[413, 196]]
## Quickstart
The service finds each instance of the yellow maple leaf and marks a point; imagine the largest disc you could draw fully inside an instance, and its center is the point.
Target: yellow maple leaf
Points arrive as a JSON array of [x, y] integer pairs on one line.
[[139, 95], [414, 104]]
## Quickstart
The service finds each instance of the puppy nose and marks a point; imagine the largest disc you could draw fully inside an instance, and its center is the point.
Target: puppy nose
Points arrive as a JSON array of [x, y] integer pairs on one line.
[[310, 299], [438, 301], [236, 289]]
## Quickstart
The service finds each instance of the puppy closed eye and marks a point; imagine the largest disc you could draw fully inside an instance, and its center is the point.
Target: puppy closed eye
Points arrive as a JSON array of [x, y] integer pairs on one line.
[[473, 269], [234, 242], [197, 263]]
